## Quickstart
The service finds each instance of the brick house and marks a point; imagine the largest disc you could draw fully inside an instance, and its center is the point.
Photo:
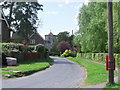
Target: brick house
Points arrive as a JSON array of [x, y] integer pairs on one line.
[[34, 38]]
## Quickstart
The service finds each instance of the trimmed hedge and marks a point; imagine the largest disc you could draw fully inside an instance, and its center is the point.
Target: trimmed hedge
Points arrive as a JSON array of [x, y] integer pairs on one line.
[[24, 52], [100, 57]]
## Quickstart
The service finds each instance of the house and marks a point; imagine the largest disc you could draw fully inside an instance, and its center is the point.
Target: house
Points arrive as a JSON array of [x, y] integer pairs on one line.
[[34, 38], [50, 40], [5, 29], [5, 32], [5, 37]]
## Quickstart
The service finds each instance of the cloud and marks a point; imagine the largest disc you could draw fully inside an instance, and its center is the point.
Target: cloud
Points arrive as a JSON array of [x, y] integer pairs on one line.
[[60, 5], [51, 12], [67, 1], [86, 2]]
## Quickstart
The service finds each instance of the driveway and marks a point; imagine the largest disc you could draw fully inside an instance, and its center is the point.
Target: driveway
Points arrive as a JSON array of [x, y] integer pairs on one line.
[[62, 74]]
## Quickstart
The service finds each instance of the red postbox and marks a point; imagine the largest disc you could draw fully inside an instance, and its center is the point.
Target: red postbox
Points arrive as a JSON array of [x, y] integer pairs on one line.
[[107, 63]]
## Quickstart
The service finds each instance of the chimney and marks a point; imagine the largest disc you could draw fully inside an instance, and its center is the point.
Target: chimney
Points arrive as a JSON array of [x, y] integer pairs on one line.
[[72, 32]]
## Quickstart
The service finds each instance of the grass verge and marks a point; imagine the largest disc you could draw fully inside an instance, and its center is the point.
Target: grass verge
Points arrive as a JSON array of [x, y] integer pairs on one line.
[[115, 86], [25, 68], [96, 73]]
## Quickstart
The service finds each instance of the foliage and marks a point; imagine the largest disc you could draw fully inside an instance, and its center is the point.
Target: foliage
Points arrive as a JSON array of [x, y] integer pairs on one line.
[[99, 57], [22, 16], [40, 48], [68, 53], [21, 52], [112, 86], [62, 46], [63, 36], [93, 29]]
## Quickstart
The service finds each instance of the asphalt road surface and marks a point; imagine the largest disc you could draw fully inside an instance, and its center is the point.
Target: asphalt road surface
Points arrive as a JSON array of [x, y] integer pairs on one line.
[[62, 74]]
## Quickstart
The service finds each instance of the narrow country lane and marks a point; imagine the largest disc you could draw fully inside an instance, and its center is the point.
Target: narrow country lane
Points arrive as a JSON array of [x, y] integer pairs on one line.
[[62, 74]]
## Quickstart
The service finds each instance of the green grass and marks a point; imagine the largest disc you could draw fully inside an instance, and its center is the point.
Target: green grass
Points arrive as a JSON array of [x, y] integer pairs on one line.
[[115, 85], [96, 73], [27, 67]]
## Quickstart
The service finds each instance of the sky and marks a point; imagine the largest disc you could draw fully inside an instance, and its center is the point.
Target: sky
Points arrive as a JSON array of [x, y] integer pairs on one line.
[[58, 17]]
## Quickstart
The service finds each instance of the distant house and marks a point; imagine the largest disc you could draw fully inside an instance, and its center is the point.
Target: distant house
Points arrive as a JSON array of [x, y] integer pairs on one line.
[[50, 40], [34, 38]]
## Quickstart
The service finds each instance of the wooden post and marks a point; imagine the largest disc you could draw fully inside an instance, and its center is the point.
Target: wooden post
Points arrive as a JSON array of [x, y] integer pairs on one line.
[[119, 40], [110, 42], [0, 25]]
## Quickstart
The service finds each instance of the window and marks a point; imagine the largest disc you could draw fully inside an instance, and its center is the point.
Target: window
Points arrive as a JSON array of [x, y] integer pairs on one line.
[[32, 41]]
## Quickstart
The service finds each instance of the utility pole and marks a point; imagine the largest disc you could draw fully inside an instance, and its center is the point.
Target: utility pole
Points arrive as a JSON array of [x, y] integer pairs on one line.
[[119, 40], [0, 24], [110, 42]]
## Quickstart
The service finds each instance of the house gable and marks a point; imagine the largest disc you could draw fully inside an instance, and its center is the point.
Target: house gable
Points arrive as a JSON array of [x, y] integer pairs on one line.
[[36, 38]]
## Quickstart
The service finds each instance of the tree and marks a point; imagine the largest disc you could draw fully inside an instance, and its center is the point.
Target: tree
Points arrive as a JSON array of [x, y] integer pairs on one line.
[[22, 16], [62, 46], [63, 36], [92, 32]]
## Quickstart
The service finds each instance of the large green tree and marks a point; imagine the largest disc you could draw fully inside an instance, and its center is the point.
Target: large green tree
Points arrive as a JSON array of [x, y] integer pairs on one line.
[[22, 16], [65, 36], [91, 21], [93, 28]]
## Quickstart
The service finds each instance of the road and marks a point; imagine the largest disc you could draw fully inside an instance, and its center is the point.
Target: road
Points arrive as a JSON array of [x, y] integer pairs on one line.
[[62, 74]]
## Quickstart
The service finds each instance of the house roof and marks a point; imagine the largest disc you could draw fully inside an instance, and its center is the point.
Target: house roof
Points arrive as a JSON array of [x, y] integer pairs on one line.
[[50, 33], [34, 34], [15, 35]]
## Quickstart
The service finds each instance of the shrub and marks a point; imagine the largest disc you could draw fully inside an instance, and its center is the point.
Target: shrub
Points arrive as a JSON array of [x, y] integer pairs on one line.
[[40, 48], [30, 48], [68, 53], [62, 46], [100, 57]]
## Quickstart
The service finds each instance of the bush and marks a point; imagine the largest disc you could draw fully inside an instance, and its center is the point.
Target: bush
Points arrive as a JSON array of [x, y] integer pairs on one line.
[[54, 54], [40, 48], [18, 51], [62, 46], [99, 57], [30, 48], [68, 53]]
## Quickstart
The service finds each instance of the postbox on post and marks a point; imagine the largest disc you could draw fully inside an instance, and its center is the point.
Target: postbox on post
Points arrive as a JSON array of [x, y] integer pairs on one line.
[[107, 63]]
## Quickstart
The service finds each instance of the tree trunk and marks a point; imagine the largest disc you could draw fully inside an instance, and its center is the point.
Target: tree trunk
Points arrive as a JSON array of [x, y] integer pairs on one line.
[[11, 10]]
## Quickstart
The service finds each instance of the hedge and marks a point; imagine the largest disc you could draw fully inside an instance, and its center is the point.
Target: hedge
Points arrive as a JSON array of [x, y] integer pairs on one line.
[[24, 52], [100, 57]]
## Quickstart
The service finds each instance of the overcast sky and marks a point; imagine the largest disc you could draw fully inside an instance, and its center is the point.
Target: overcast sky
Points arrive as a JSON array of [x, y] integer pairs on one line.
[[58, 17]]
